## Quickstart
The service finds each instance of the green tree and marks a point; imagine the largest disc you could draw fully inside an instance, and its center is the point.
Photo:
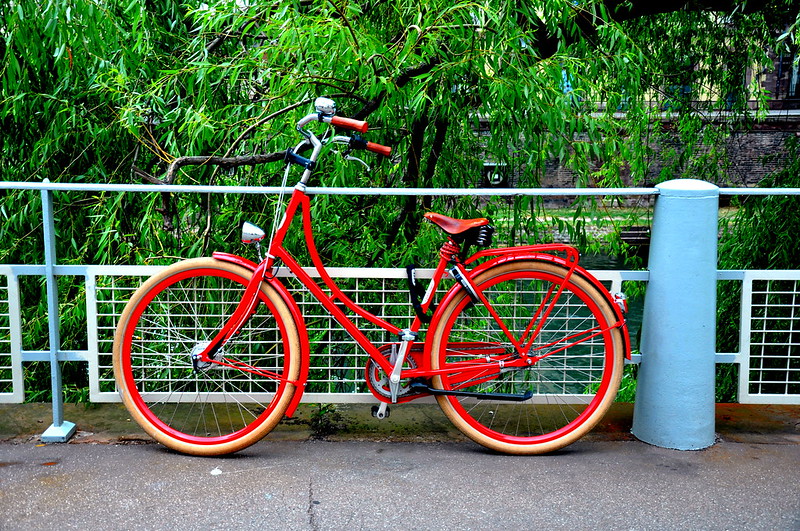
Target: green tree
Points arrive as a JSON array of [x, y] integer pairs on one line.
[[130, 91], [761, 235]]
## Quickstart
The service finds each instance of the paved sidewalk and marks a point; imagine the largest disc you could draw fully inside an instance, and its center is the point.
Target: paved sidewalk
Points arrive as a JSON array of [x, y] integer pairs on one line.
[[363, 478]]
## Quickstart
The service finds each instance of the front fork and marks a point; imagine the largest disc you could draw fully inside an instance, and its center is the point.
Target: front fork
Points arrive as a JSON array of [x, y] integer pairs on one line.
[[205, 353]]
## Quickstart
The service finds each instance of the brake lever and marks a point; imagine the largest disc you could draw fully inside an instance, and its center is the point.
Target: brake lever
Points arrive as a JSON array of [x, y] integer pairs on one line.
[[346, 155], [350, 157]]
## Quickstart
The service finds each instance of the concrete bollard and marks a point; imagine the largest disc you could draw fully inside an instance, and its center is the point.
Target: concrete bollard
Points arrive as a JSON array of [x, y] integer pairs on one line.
[[674, 405]]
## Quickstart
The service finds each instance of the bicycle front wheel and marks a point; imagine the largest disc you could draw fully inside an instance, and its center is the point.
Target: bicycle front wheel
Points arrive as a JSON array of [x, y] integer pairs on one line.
[[213, 408], [576, 347]]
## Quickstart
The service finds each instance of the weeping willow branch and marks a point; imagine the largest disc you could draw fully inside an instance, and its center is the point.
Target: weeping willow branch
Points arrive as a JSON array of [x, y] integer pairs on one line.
[[225, 162]]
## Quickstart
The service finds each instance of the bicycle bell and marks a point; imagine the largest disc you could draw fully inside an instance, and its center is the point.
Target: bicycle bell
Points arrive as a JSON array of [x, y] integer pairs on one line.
[[325, 106]]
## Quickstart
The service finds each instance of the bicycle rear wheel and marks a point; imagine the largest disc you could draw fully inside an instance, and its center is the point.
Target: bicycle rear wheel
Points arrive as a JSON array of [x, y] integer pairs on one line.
[[214, 408], [578, 346]]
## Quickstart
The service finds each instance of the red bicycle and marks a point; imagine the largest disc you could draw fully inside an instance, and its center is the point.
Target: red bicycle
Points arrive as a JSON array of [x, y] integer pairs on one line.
[[524, 351]]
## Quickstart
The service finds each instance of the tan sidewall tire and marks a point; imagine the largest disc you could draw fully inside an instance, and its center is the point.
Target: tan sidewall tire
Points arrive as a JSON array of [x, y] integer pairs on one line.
[[577, 433], [293, 342]]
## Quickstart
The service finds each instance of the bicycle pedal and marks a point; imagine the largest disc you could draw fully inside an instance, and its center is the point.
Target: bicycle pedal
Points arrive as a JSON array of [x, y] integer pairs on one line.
[[378, 414]]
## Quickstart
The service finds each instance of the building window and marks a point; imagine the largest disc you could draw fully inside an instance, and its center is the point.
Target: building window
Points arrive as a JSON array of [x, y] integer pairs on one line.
[[495, 175]]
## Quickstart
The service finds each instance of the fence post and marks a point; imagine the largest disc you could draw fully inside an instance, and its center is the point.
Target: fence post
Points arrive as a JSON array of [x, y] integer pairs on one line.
[[674, 405], [60, 430]]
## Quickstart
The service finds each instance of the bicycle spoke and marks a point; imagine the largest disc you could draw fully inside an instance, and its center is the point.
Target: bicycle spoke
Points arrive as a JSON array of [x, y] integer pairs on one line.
[[569, 362], [196, 406]]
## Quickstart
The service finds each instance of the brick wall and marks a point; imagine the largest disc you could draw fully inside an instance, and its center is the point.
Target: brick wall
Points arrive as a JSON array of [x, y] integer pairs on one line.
[[748, 157]]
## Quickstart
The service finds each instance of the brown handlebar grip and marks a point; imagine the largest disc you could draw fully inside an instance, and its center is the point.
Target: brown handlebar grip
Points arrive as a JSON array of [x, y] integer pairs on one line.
[[349, 123], [379, 149]]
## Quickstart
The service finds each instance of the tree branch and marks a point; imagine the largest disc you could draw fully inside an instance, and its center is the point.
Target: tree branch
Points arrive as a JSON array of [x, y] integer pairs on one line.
[[547, 43], [167, 209], [145, 175], [218, 41], [227, 162], [402, 80], [627, 10], [441, 125]]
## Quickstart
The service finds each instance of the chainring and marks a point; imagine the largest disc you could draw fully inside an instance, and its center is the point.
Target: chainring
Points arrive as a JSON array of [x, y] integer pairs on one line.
[[378, 380]]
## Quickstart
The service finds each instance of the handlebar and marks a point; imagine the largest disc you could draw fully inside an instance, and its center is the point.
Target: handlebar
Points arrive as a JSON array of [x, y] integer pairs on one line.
[[325, 113], [338, 121], [386, 151], [359, 143], [326, 110], [346, 123]]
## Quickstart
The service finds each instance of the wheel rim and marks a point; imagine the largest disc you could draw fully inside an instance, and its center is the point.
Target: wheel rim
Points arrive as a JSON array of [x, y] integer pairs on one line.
[[569, 386], [156, 359]]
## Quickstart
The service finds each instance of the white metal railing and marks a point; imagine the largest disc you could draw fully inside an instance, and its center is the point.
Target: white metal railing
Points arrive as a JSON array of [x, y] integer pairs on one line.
[[769, 331], [770, 316], [769, 356], [109, 287]]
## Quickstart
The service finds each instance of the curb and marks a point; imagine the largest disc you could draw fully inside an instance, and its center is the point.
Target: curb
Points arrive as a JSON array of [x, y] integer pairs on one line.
[[110, 424]]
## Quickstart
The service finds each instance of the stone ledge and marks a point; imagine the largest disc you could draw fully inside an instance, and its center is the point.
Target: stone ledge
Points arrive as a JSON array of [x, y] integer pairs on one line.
[[110, 424]]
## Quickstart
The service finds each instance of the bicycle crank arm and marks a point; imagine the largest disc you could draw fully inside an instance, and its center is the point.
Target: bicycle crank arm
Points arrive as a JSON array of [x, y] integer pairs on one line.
[[422, 387]]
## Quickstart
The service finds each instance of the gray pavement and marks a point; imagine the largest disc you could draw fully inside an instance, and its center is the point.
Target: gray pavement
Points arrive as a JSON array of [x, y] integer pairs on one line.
[[363, 479], [384, 485]]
